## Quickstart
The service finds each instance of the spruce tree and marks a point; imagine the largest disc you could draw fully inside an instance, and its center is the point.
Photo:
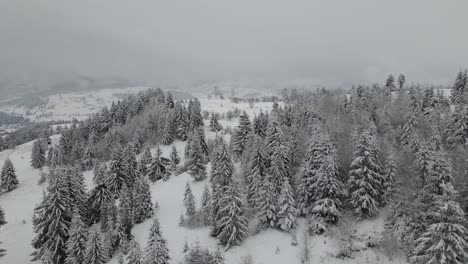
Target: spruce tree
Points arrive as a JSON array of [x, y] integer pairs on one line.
[[134, 255], [328, 191], [267, 210], [156, 251], [214, 122], [143, 206], [100, 174], [233, 222], [459, 88], [96, 198], [457, 131], [365, 178], [389, 180], [408, 135], [2, 217], [95, 250], [175, 160], [256, 175], [126, 211], [51, 221], [76, 245], [196, 167], [222, 172], [189, 201], [241, 135], [446, 240], [146, 157], [8, 180], [206, 205], [38, 158], [117, 171], [260, 124], [157, 170], [168, 132], [287, 211]]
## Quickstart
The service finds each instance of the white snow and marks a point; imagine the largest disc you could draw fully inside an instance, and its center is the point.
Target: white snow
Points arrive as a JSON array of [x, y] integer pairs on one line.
[[267, 247]]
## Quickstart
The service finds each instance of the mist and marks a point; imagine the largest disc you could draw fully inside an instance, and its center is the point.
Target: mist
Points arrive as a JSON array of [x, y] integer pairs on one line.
[[330, 42]]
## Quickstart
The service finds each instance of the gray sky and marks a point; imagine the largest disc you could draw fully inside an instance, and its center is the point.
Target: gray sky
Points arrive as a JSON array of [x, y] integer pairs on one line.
[[331, 41]]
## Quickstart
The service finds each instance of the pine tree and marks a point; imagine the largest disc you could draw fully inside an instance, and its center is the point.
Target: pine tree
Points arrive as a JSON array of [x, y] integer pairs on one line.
[[38, 158], [365, 178], [175, 160], [287, 211], [423, 161], [157, 169], [459, 88], [100, 173], [126, 212], [233, 223], [267, 204], [390, 84], [168, 131], [2, 217], [146, 158], [279, 164], [95, 250], [196, 167], [51, 221], [135, 255], [222, 171], [389, 180], [407, 138], [206, 205], [143, 206], [401, 81], [457, 131], [327, 191], [8, 180], [96, 198], [76, 245], [117, 176], [214, 124], [241, 135], [446, 240], [189, 201], [260, 124], [156, 251], [256, 175]]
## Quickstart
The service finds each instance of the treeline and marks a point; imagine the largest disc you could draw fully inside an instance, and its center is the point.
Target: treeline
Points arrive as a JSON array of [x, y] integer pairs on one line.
[[11, 119]]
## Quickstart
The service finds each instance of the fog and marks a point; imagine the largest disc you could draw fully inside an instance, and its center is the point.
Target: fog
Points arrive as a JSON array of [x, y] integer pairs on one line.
[[326, 41]]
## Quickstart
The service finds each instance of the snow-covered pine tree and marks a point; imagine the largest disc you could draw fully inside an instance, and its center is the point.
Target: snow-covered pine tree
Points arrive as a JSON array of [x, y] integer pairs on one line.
[[189, 201], [2, 217], [168, 131], [272, 137], [256, 174], [143, 208], [365, 178], [88, 157], [233, 224], [76, 191], [206, 205], [439, 175], [181, 120], [408, 133], [117, 176], [146, 157], [214, 122], [389, 180], [100, 173], [195, 116], [328, 191], [423, 160], [459, 88], [457, 130], [222, 172], [8, 180], [157, 170], [260, 124], [95, 250], [267, 210], [287, 211], [51, 221], [280, 164], [134, 255], [38, 158], [126, 211], [446, 240], [200, 133], [241, 135], [174, 157], [96, 198], [156, 251], [76, 244], [196, 167]]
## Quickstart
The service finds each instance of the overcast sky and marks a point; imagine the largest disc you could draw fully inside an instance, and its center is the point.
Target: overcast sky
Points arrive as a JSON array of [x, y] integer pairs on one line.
[[330, 41]]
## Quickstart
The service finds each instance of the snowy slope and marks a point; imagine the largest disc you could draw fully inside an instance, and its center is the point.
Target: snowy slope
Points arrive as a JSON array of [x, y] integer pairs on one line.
[[267, 247]]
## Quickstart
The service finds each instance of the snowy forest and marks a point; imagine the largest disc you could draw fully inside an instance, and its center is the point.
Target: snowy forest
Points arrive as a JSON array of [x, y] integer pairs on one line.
[[368, 174]]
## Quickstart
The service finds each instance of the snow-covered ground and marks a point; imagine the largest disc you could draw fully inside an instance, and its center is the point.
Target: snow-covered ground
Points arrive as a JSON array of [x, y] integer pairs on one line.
[[68, 106], [267, 247]]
